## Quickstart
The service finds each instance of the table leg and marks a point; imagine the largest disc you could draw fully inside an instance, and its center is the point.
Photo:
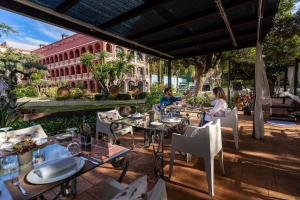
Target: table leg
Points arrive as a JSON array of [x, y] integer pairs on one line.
[[159, 156], [122, 162]]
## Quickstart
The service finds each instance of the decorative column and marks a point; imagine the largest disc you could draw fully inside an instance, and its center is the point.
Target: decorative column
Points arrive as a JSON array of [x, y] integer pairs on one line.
[[169, 73]]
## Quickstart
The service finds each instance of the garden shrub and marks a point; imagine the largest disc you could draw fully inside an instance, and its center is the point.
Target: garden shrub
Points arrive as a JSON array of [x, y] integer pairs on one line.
[[153, 98], [123, 96], [50, 92], [62, 98], [100, 97], [26, 91], [142, 95], [75, 93]]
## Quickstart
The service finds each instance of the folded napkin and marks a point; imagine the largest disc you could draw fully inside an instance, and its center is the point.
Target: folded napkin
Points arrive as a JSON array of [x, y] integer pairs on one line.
[[56, 167]]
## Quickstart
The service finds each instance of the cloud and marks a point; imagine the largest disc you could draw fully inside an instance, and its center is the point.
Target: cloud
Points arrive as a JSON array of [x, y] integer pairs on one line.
[[52, 31], [35, 41]]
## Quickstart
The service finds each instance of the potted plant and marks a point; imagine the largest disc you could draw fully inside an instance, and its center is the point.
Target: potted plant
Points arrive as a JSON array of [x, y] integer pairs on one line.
[[24, 150]]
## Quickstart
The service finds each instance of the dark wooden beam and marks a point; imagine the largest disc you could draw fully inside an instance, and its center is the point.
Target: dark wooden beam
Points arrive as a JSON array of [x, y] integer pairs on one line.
[[226, 21], [188, 19], [30, 9], [297, 63], [66, 5], [148, 5], [199, 42]]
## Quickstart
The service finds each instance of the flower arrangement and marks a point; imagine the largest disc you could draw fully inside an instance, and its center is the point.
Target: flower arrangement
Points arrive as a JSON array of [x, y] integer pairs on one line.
[[24, 146]]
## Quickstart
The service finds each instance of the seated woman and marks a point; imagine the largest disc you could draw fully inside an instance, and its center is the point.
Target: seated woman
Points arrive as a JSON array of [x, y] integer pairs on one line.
[[220, 106]]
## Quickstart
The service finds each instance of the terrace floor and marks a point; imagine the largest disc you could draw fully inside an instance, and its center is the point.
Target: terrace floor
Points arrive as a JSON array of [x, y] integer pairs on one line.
[[267, 169]]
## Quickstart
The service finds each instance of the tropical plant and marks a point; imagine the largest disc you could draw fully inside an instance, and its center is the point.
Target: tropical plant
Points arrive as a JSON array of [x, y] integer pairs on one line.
[[14, 64], [5, 29], [9, 115], [107, 72]]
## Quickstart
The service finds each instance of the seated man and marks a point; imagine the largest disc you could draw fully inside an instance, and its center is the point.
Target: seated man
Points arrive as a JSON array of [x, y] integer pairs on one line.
[[169, 99]]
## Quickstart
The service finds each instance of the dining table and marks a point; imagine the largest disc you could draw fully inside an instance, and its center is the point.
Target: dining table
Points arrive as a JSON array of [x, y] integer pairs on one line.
[[94, 155], [154, 133]]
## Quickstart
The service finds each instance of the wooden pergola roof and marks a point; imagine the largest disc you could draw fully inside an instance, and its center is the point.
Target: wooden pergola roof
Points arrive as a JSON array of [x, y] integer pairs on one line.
[[170, 29]]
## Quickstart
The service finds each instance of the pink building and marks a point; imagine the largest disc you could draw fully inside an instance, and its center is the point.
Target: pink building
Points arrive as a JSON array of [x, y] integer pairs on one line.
[[62, 59]]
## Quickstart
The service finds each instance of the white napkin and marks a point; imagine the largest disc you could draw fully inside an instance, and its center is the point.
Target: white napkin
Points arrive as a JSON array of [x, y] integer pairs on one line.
[[56, 167]]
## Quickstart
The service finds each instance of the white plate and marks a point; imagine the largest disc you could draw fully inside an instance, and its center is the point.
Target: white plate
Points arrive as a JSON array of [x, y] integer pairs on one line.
[[35, 179], [172, 120], [156, 123], [64, 136], [138, 115]]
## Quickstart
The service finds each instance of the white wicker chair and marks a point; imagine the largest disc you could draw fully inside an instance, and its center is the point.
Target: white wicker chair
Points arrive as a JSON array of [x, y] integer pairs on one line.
[[205, 142], [231, 121], [109, 187], [105, 124]]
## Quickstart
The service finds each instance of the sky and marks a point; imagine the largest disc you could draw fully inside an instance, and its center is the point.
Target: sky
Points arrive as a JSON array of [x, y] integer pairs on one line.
[[35, 32], [30, 31]]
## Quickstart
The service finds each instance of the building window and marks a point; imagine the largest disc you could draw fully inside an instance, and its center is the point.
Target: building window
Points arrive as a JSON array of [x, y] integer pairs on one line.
[[56, 59], [71, 55], [119, 50], [65, 56], [97, 47], [72, 70], [140, 57], [62, 72], [109, 48], [130, 85], [47, 61], [140, 71], [91, 49], [51, 60], [67, 71], [77, 54], [131, 52], [78, 69], [83, 50], [60, 57]]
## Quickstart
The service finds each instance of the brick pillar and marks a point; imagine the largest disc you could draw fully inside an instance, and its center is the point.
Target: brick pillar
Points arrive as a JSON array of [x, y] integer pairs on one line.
[[96, 86]]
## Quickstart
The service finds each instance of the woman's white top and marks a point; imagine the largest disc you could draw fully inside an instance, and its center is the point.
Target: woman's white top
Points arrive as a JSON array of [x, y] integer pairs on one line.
[[219, 109]]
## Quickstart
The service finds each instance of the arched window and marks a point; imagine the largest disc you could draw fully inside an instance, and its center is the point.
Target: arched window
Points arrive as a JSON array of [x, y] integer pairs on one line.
[[62, 72], [57, 73], [77, 54], [97, 47], [47, 61], [131, 52], [53, 73], [84, 69], [78, 71], [140, 71], [60, 57], [56, 58], [83, 50], [109, 48], [71, 54], [67, 71], [91, 50], [130, 85], [85, 85], [141, 86], [92, 86], [140, 56], [51, 60], [65, 56], [72, 70], [119, 50]]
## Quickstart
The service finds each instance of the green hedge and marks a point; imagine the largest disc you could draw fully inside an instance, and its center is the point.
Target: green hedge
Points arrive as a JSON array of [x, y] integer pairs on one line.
[[75, 93], [50, 92], [26, 91], [126, 96]]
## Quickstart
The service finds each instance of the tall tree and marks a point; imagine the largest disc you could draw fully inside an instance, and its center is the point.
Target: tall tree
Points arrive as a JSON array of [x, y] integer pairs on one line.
[[205, 66]]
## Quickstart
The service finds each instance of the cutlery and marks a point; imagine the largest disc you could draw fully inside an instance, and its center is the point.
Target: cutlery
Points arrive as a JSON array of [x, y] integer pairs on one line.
[[16, 183], [94, 162]]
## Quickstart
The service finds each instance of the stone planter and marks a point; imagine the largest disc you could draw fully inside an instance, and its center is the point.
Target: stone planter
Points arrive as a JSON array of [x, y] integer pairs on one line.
[[25, 158]]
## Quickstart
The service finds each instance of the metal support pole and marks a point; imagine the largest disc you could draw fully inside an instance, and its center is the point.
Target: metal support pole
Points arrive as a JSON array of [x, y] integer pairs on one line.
[[296, 76], [285, 82], [169, 73], [228, 92]]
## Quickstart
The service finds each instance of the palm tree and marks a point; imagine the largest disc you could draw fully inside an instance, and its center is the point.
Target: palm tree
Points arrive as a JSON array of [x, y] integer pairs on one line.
[[106, 72], [5, 29]]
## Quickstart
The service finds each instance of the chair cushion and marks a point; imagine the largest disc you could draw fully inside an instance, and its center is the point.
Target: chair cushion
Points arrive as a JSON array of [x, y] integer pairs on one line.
[[109, 116], [136, 190]]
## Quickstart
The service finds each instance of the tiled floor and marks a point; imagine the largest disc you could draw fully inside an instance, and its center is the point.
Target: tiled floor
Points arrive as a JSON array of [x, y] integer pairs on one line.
[[261, 169]]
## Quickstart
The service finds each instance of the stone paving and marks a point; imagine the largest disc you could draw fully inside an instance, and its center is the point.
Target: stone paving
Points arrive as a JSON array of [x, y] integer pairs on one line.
[[261, 169]]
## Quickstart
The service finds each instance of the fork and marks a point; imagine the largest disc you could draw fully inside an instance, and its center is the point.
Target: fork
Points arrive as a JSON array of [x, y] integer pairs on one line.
[[16, 183]]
